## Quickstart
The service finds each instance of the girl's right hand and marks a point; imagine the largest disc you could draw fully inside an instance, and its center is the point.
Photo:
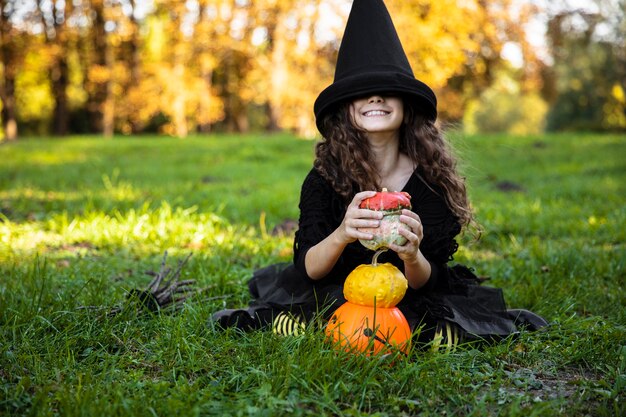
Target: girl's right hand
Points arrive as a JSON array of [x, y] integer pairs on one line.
[[356, 218]]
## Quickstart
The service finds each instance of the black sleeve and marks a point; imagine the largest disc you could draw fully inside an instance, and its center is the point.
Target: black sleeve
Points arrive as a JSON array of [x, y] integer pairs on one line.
[[441, 227], [321, 212]]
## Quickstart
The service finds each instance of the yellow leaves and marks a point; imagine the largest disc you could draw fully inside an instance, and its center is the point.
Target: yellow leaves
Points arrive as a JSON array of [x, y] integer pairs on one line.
[[99, 74], [504, 107], [617, 92], [614, 109], [155, 39], [289, 69], [437, 36], [195, 62], [34, 99], [177, 93]]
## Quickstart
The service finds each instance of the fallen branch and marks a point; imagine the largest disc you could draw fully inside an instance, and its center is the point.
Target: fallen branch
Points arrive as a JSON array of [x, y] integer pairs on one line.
[[165, 291]]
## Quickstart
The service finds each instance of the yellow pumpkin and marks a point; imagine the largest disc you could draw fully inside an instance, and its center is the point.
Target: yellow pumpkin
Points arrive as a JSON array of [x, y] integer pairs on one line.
[[375, 285], [357, 328]]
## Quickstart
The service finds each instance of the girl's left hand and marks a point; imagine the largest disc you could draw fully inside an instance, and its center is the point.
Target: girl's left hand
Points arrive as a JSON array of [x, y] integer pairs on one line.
[[409, 252]]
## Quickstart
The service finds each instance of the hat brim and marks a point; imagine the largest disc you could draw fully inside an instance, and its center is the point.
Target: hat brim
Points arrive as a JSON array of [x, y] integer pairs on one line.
[[376, 82]]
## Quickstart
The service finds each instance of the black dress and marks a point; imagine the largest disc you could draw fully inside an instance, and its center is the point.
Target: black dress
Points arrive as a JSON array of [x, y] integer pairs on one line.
[[452, 293]]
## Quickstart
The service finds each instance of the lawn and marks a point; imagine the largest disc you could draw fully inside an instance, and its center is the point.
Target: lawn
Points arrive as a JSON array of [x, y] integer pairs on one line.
[[84, 220]]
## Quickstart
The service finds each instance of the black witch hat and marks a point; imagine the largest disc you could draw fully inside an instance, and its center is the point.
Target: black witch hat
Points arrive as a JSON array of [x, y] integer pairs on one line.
[[371, 60]]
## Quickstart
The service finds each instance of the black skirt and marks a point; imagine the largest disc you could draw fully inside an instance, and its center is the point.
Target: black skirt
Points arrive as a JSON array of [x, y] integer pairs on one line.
[[478, 310]]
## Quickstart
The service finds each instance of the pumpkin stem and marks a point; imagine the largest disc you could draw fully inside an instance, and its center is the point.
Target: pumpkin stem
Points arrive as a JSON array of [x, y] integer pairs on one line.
[[376, 255]]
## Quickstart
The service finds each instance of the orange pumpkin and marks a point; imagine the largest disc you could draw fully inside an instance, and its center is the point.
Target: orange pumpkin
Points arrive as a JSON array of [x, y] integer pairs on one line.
[[371, 330]]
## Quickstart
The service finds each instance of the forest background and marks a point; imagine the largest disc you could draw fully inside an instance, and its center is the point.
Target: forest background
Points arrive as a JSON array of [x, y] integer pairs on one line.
[[179, 67]]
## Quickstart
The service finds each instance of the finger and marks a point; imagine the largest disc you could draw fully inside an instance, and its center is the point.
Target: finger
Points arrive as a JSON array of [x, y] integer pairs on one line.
[[408, 214], [397, 249], [406, 233], [415, 225], [412, 237], [364, 194], [363, 214], [364, 223], [369, 214], [410, 218], [358, 197], [410, 221], [407, 248], [361, 234]]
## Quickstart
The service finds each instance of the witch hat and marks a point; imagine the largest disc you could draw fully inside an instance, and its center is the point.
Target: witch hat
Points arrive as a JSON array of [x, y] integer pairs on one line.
[[371, 60]]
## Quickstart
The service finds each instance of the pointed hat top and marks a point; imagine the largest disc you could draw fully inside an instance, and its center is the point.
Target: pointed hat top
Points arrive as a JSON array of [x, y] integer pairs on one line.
[[371, 60]]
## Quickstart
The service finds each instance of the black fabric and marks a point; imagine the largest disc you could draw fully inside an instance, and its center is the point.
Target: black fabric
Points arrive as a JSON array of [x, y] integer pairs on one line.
[[479, 311], [452, 294], [283, 288], [370, 41], [322, 211], [527, 319], [371, 60], [253, 318]]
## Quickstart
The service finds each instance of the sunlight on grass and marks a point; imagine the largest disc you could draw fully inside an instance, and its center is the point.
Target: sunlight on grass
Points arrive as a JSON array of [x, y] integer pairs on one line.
[[77, 237], [117, 190], [44, 159], [32, 195], [137, 231]]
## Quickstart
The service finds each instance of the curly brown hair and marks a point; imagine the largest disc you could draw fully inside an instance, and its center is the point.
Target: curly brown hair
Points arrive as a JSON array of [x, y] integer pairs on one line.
[[344, 158]]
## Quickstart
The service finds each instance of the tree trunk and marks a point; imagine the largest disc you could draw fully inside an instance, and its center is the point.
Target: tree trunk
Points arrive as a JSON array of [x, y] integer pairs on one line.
[[108, 108], [235, 108], [276, 49], [272, 117], [100, 105], [134, 61], [7, 84], [59, 75], [207, 76], [7, 94], [57, 38], [242, 121], [179, 114]]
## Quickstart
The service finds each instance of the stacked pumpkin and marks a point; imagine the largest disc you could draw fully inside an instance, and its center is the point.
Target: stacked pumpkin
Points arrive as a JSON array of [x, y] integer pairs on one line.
[[369, 320]]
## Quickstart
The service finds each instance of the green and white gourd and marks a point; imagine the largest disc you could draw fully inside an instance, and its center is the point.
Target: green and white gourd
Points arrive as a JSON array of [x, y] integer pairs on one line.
[[391, 204]]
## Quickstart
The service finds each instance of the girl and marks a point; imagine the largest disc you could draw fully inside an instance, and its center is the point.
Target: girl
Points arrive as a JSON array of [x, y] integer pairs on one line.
[[378, 127]]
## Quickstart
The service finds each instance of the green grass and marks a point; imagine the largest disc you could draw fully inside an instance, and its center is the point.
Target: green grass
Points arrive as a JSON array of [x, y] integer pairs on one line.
[[82, 220]]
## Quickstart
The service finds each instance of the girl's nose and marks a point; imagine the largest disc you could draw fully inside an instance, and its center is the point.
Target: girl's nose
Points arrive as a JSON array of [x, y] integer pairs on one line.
[[375, 99]]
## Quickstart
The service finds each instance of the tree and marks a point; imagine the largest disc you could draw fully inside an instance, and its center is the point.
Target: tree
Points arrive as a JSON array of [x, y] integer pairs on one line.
[[294, 62], [505, 107], [54, 16], [12, 45], [587, 81], [455, 47], [178, 67], [99, 73]]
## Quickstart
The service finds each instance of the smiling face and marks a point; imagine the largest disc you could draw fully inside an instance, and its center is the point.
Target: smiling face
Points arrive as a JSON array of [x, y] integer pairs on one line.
[[378, 113]]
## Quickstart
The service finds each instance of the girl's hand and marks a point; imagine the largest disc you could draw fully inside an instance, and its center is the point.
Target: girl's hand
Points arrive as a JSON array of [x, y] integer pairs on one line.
[[356, 218], [409, 252]]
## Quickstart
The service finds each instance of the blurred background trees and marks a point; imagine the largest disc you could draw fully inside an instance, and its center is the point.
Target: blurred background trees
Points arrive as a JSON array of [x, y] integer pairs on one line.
[[587, 81], [178, 67]]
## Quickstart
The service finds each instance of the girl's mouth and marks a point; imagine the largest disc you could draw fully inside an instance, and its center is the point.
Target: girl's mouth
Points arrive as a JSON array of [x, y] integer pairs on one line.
[[375, 113]]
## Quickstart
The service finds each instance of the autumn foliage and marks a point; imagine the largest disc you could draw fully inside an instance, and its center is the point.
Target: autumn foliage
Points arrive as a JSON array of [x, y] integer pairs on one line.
[[179, 67]]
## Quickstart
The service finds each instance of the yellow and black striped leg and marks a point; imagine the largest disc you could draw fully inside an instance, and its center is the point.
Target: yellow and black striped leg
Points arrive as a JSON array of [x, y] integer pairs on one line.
[[447, 337], [287, 324]]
